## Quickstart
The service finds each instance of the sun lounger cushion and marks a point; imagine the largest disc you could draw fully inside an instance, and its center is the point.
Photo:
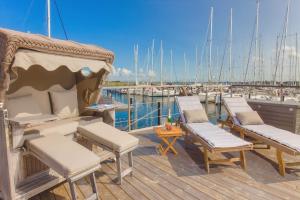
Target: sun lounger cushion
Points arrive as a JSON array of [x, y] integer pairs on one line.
[[195, 116], [108, 136], [190, 103], [64, 103], [215, 136], [66, 157], [235, 105], [249, 118], [22, 106], [284, 137]]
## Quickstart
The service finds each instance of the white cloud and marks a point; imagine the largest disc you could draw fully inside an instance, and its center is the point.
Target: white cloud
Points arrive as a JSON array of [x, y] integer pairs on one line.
[[290, 51], [125, 72], [119, 72], [151, 73]]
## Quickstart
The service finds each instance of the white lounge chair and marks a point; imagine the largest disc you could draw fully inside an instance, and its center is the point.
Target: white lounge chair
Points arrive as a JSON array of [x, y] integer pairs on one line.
[[284, 141], [67, 158], [111, 139], [211, 137]]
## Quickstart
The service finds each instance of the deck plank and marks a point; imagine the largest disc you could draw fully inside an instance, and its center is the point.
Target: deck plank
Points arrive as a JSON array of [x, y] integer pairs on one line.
[[169, 183], [61, 193], [183, 177], [140, 186], [118, 192], [127, 187]]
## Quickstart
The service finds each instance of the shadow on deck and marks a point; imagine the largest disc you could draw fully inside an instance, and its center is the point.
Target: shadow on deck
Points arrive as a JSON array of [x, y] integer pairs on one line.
[[183, 177]]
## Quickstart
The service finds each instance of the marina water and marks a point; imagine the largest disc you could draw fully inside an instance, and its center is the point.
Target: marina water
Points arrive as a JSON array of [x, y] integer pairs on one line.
[[145, 110]]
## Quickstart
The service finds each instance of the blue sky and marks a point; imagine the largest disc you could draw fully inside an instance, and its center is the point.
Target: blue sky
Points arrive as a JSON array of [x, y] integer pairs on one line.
[[180, 24]]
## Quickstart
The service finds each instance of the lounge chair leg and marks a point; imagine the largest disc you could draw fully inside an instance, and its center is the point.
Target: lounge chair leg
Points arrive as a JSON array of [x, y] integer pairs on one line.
[[130, 159], [243, 160], [72, 189], [281, 163], [206, 161], [94, 185], [119, 169], [242, 134]]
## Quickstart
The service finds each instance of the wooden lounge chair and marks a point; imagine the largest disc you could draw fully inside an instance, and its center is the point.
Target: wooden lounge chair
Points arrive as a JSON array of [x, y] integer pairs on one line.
[[111, 139], [67, 158], [283, 141], [211, 137]]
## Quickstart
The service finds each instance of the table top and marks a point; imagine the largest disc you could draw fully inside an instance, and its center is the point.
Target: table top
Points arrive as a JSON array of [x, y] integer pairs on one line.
[[163, 132]]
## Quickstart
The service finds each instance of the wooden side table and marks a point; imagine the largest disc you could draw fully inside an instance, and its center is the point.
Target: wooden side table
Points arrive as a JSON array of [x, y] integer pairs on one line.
[[169, 138]]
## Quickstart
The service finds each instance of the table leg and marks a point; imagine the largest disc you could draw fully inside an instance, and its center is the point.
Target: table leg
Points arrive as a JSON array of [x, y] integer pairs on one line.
[[169, 145]]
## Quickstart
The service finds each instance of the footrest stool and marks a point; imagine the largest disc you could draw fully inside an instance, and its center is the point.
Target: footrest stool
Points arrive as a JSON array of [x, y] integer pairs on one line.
[[67, 158], [108, 137]]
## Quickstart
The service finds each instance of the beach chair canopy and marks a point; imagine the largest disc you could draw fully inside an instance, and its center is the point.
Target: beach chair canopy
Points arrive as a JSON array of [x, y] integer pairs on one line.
[[40, 62]]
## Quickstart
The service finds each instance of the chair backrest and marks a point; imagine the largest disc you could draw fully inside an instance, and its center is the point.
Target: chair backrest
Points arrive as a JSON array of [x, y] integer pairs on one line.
[[187, 103], [236, 104]]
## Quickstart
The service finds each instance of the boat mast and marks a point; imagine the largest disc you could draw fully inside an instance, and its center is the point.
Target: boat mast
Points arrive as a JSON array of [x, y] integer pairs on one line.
[[161, 62], [148, 61], [48, 19], [184, 58], [210, 43], [284, 39], [256, 56], [152, 60], [196, 52], [296, 62], [171, 71], [230, 47], [136, 54]]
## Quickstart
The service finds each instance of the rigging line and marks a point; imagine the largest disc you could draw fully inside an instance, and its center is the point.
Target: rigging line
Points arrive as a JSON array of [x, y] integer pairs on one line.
[[27, 13], [61, 20], [223, 60], [249, 55], [282, 38], [224, 52], [204, 48]]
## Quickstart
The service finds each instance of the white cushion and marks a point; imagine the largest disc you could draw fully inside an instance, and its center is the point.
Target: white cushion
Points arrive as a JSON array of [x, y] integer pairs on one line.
[[236, 104], [281, 136], [65, 103], [22, 106], [195, 116], [215, 136], [249, 118], [188, 103], [62, 127], [66, 157], [108, 136]]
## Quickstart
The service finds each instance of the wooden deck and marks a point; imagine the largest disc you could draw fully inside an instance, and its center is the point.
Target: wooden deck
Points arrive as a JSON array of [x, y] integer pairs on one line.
[[183, 177]]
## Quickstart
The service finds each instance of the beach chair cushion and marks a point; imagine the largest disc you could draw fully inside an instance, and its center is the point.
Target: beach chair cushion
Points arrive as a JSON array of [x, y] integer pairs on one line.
[[22, 106], [195, 116], [215, 136], [249, 118], [281, 136], [108, 136], [64, 103], [66, 157], [62, 127]]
